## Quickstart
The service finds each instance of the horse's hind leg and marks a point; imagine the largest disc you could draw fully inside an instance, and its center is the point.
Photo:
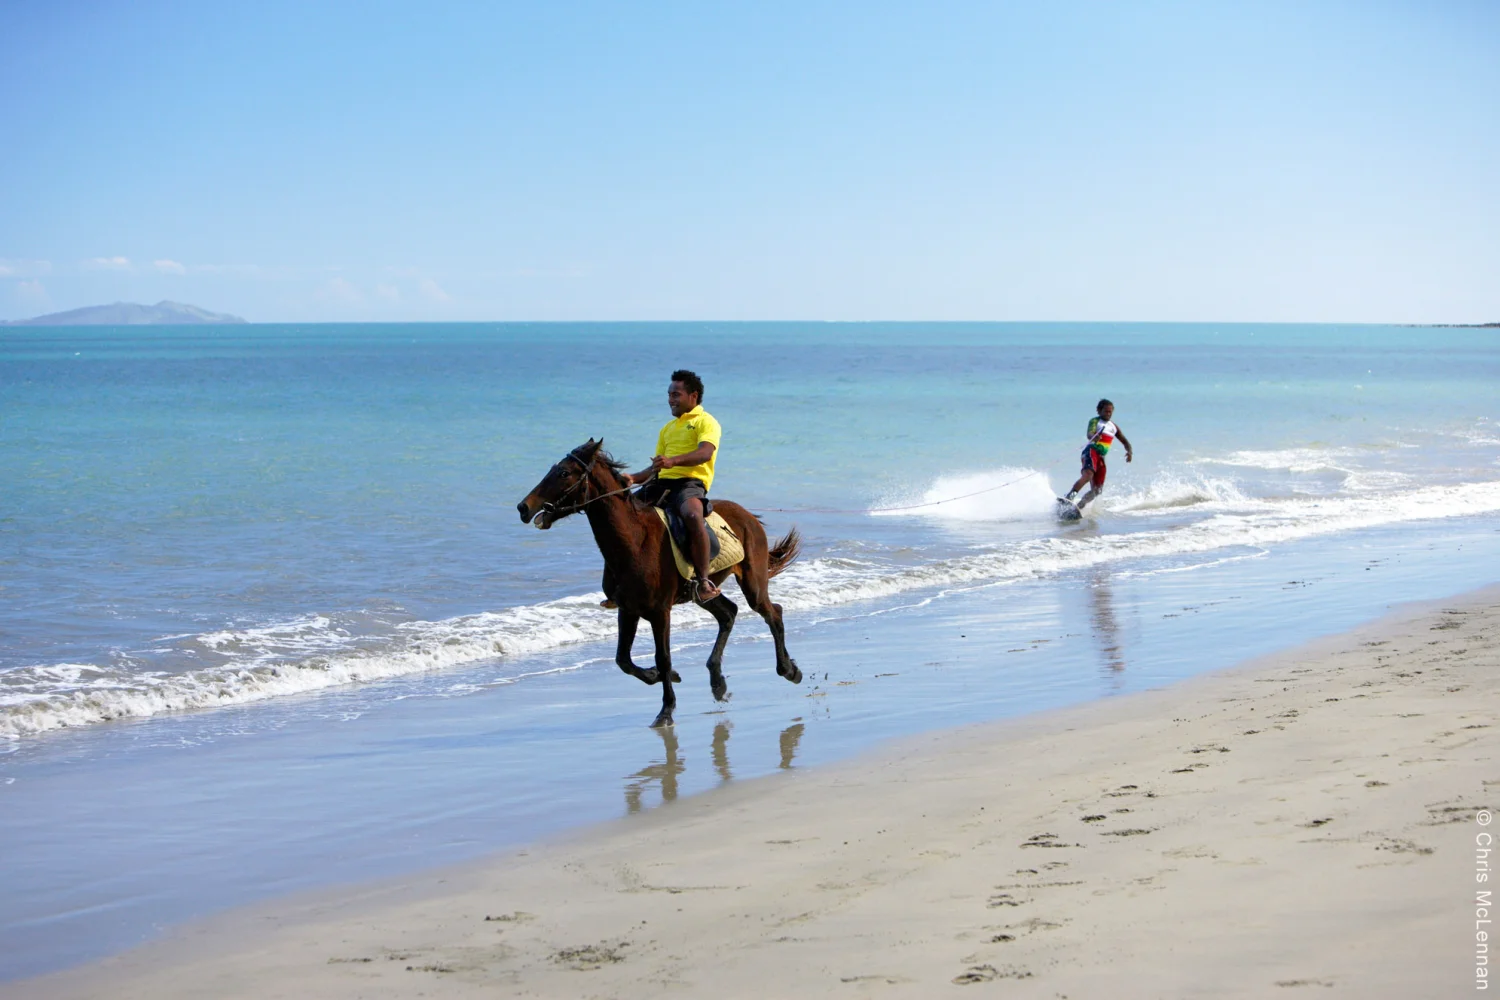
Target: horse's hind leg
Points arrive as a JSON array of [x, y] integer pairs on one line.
[[753, 585], [785, 665], [723, 610]]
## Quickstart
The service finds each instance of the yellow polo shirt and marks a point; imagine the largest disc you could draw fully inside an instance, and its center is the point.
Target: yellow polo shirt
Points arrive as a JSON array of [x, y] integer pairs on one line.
[[684, 434]]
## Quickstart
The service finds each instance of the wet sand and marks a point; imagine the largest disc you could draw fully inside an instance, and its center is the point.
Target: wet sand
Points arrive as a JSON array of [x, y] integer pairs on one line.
[[1304, 824]]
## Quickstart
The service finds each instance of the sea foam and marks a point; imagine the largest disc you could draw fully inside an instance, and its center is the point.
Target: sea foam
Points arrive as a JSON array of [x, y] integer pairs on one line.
[[1003, 494], [41, 698]]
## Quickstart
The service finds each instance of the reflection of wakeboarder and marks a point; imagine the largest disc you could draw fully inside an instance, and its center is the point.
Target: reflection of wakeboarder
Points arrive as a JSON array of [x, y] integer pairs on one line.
[[1102, 433], [1105, 626]]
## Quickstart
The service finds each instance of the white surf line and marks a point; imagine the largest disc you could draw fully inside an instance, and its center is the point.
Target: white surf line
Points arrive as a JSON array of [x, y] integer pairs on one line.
[[1275, 522], [421, 647]]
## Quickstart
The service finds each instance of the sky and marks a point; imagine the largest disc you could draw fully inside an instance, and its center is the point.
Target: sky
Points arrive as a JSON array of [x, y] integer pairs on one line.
[[1318, 161]]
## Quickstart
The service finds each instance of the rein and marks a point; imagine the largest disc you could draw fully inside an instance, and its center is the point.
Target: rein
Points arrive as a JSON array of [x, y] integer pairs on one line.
[[554, 507]]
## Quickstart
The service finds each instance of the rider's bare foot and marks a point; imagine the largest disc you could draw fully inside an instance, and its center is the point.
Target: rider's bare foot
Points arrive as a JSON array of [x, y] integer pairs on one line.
[[608, 604], [707, 591]]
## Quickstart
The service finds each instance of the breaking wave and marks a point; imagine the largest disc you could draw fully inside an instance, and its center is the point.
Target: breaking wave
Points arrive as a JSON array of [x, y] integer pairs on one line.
[[1170, 491], [318, 652], [1005, 494]]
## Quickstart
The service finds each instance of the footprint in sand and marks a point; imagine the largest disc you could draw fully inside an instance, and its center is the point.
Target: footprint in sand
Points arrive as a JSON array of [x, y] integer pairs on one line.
[[1045, 840], [591, 956], [1442, 814], [988, 974], [1401, 846], [518, 917], [1191, 851]]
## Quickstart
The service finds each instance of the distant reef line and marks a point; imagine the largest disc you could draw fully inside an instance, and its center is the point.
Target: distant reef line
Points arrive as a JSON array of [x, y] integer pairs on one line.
[[164, 313]]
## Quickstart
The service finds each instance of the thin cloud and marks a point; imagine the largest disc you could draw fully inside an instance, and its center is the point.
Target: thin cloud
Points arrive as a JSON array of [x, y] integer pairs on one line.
[[432, 290], [32, 292], [107, 263], [340, 290], [571, 271], [243, 270], [169, 267], [388, 292], [16, 268]]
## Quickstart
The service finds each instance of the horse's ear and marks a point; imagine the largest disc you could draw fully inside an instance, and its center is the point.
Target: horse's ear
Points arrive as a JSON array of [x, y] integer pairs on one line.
[[593, 446]]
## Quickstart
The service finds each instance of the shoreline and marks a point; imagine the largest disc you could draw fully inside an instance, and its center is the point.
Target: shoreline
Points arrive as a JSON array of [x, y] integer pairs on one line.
[[1302, 820]]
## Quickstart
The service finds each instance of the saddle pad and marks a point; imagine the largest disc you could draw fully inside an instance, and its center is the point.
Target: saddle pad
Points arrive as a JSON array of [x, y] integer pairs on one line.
[[730, 549]]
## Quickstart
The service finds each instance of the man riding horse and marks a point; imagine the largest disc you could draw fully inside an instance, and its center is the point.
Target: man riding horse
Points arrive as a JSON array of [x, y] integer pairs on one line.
[[641, 576], [680, 474]]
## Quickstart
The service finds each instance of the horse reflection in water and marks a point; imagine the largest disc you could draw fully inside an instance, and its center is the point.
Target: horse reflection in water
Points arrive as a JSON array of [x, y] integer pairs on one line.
[[666, 771], [790, 737], [721, 749]]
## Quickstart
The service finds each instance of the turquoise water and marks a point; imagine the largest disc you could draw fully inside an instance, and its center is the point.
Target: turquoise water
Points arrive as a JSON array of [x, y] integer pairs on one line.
[[266, 586]]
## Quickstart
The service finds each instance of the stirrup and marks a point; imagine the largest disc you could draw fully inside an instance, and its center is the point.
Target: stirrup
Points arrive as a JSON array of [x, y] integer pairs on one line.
[[696, 585]]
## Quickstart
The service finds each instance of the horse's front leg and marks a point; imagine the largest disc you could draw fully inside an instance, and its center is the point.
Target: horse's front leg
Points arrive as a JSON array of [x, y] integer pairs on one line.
[[661, 630], [628, 622]]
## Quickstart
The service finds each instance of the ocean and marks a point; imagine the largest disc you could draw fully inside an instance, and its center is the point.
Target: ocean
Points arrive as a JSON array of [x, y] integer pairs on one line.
[[269, 619]]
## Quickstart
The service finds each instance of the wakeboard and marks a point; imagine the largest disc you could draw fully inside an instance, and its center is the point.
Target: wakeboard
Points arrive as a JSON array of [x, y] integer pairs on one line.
[[1067, 510]]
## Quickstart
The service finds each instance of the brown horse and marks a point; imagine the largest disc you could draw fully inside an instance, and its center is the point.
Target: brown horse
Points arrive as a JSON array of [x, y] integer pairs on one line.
[[638, 553]]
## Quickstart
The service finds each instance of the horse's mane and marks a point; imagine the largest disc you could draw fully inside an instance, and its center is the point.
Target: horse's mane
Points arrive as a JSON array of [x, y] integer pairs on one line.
[[614, 465], [610, 462]]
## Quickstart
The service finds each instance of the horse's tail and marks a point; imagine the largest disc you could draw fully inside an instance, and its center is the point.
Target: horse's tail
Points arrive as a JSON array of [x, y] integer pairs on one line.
[[784, 552]]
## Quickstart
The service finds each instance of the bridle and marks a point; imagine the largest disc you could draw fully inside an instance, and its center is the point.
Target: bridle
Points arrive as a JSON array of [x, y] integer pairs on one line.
[[555, 508]]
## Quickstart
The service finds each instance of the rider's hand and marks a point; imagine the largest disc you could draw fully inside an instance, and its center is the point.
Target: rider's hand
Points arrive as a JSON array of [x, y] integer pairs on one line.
[[658, 463]]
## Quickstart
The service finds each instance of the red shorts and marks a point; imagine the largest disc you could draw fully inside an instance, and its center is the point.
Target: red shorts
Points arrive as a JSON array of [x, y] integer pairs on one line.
[[1093, 465]]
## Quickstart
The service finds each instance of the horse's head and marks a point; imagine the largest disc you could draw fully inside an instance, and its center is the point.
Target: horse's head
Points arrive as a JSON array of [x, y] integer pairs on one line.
[[563, 490]]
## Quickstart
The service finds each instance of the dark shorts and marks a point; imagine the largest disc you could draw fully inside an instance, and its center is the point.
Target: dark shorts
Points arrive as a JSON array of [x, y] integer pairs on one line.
[[1093, 464], [669, 494]]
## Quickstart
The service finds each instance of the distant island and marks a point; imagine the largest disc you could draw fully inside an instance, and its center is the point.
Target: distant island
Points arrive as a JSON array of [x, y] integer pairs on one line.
[[128, 314]]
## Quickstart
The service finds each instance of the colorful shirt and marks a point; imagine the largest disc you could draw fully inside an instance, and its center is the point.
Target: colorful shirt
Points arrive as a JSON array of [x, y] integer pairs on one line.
[[1106, 430], [684, 434]]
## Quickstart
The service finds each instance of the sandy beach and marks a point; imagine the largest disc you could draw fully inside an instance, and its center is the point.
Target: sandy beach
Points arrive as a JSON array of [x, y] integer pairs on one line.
[[1304, 824]]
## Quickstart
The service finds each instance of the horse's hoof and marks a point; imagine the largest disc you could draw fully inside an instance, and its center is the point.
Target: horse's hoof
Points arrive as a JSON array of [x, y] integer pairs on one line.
[[648, 676], [720, 689], [790, 672], [676, 678], [662, 721]]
